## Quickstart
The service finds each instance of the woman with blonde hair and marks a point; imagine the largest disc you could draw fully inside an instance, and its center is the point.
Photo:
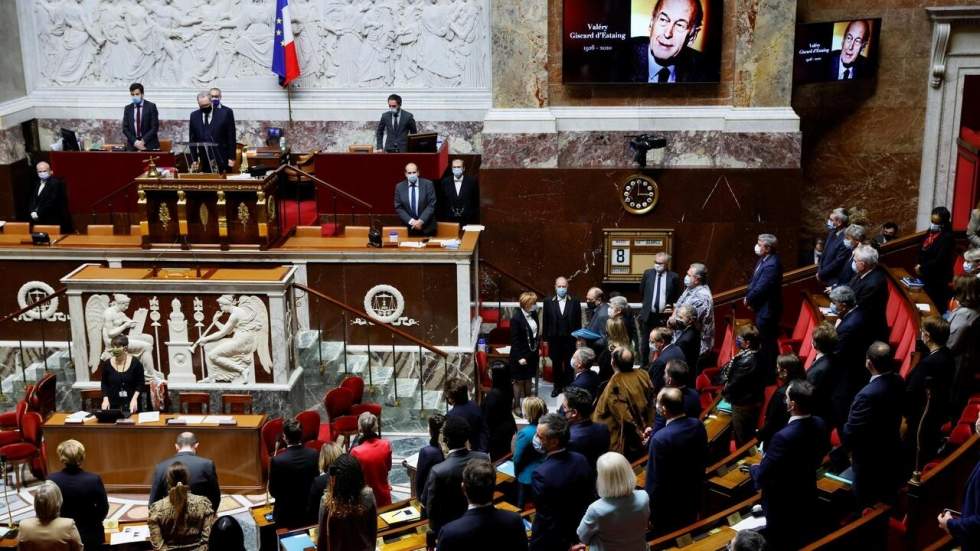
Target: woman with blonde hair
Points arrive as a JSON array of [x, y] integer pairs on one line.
[[524, 339], [48, 531], [618, 519], [616, 337], [181, 521], [526, 458], [85, 499], [329, 452]]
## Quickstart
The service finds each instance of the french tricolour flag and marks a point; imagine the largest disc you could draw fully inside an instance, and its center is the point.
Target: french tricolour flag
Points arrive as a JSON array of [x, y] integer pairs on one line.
[[284, 60]]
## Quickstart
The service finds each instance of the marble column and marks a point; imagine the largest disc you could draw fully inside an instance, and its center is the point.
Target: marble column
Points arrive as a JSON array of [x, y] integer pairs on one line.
[[764, 31]]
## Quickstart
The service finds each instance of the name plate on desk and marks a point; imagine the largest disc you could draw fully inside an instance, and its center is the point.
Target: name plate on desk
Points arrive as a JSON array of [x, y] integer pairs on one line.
[[127, 421]]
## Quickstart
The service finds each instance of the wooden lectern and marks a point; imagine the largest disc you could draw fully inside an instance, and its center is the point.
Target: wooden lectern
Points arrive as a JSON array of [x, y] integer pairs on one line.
[[209, 209]]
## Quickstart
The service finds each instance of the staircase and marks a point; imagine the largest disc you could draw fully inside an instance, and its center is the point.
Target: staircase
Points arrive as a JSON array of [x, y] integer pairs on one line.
[[17, 370]]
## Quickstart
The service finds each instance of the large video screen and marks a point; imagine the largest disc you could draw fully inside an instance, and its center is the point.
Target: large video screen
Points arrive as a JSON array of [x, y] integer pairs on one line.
[[660, 42], [836, 50]]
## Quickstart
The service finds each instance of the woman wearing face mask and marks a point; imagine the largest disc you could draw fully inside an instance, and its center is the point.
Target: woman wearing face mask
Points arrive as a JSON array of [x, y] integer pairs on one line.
[[745, 383], [973, 227], [122, 377], [933, 373], [935, 266], [964, 340], [971, 262], [526, 448], [524, 338]]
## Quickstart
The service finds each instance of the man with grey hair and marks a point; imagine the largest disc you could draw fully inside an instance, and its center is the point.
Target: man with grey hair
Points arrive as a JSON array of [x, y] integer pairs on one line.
[[686, 335], [854, 237], [854, 335], [835, 253], [584, 377], [558, 485], [870, 288], [660, 288], [619, 307], [203, 476], [217, 126], [562, 315], [765, 297], [697, 295]]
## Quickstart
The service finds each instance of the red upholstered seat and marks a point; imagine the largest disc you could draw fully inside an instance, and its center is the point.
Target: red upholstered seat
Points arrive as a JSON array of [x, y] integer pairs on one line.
[[802, 328], [338, 402], [271, 435], [970, 413], [354, 384], [12, 421], [310, 422], [29, 451], [961, 433], [43, 398]]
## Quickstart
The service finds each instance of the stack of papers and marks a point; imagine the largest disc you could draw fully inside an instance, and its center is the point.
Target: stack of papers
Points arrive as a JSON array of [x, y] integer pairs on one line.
[[218, 420], [78, 417], [130, 534], [923, 307], [507, 468], [148, 417], [405, 514], [297, 542], [474, 227], [190, 419], [912, 282], [412, 244]]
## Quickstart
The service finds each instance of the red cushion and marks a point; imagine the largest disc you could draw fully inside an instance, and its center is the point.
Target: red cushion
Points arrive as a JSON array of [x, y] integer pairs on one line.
[[338, 402], [19, 451], [9, 437], [961, 433], [346, 423]]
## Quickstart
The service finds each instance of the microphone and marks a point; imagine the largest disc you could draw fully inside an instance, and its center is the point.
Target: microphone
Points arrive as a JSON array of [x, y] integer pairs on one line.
[[268, 477]]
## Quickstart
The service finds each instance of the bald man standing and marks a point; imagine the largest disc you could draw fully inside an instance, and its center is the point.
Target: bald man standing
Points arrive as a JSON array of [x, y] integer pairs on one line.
[[48, 203], [415, 202]]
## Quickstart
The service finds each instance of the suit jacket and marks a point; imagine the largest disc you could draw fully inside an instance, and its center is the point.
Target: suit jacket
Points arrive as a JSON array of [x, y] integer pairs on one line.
[[463, 207], [563, 491], [689, 341], [599, 318], [429, 457], [523, 344], [871, 433], [58, 535], [835, 256], [291, 475], [966, 529], [825, 376], [589, 439], [690, 64], [426, 207], [557, 324], [443, 496], [397, 139], [203, 478], [658, 367], [498, 416], [375, 458], [678, 455], [691, 400], [746, 379], [934, 371], [51, 205], [149, 125], [860, 67], [85, 502], [765, 293], [221, 131], [589, 380], [670, 287], [787, 478], [854, 336], [872, 296], [315, 497], [484, 529], [479, 435]]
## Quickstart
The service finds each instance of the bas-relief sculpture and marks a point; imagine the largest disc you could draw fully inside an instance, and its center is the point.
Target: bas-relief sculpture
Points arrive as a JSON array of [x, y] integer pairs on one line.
[[231, 359], [105, 319], [344, 44]]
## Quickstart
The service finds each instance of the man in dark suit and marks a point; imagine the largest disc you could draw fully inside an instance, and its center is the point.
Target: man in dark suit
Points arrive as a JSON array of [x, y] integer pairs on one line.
[[49, 202], [562, 315], [765, 297], [677, 458], [584, 377], [848, 63], [787, 474], [398, 124], [290, 476], [686, 334], [458, 396], [203, 476], [140, 121], [459, 196], [825, 373], [854, 335], [965, 527], [660, 288], [870, 288], [587, 438], [415, 202], [443, 495], [84, 495], [563, 487], [872, 430], [664, 351], [666, 55], [835, 254], [678, 375], [208, 124], [482, 527]]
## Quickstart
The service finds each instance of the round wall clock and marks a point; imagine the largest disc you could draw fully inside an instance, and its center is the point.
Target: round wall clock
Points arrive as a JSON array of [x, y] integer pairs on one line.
[[640, 194]]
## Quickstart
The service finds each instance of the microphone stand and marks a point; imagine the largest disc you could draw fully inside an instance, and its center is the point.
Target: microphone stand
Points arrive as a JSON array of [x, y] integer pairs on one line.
[[268, 478]]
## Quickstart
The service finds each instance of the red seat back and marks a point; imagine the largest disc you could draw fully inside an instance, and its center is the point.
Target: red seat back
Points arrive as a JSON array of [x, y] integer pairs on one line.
[[31, 428], [899, 327], [769, 393], [894, 304], [906, 367], [970, 413], [961, 433], [904, 350], [354, 384], [310, 422], [338, 402]]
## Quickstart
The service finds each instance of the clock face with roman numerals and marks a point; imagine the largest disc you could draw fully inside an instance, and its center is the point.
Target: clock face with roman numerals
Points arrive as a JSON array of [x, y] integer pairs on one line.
[[639, 194]]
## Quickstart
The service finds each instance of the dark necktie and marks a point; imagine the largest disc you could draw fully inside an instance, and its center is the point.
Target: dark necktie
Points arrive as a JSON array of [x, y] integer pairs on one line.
[[414, 201], [394, 121], [847, 74], [139, 121], [656, 294], [207, 118], [663, 75]]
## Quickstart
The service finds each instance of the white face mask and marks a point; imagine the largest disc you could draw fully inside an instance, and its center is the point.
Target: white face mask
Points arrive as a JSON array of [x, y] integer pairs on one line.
[[967, 266], [758, 249], [849, 243], [688, 281], [659, 267]]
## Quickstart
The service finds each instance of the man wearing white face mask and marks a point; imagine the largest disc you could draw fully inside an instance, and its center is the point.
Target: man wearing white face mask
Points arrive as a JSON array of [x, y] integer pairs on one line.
[[697, 295], [971, 262], [661, 288], [871, 288], [415, 202], [835, 253], [562, 315], [765, 297], [48, 204], [459, 197]]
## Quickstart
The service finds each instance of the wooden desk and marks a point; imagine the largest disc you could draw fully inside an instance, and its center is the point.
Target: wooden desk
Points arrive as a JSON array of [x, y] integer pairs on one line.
[[124, 455], [100, 241], [716, 540], [913, 296], [735, 478], [711, 530]]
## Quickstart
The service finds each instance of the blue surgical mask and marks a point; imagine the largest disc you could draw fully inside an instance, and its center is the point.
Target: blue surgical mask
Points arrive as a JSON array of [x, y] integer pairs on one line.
[[688, 281], [136, 99], [538, 445], [413, 178], [833, 308], [830, 224], [849, 243], [216, 102], [43, 175], [854, 266], [457, 172], [561, 291], [659, 267], [935, 227], [967, 266]]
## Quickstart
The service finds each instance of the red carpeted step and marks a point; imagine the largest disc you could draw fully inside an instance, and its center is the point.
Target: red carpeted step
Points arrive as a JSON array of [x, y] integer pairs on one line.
[[302, 213]]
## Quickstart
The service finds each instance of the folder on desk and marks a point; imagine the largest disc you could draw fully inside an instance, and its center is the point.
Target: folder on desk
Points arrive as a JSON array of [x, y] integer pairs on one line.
[[297, 542], [723, 405], [507, 468], [405, 514]]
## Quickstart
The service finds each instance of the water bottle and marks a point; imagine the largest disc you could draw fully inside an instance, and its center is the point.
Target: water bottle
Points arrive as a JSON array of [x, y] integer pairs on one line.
[[393, 237], [481, 345]]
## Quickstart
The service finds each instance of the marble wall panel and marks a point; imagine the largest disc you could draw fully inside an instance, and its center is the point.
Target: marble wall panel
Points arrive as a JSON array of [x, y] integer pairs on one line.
[[763, 52], [11, 145], [519, 39], [520, 150]]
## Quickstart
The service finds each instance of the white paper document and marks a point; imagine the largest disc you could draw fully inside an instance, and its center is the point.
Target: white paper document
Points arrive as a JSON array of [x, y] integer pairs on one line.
[[191, 419], [130, 534], [218, 420], [77, 417], [148, 417]]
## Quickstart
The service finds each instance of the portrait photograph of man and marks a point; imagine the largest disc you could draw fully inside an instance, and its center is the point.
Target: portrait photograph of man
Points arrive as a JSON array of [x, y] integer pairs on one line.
[[849, 55], [672, 41], [832, 51]]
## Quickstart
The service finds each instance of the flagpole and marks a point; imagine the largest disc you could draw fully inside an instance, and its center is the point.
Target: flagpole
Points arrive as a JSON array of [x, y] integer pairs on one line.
[[289, 101]]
